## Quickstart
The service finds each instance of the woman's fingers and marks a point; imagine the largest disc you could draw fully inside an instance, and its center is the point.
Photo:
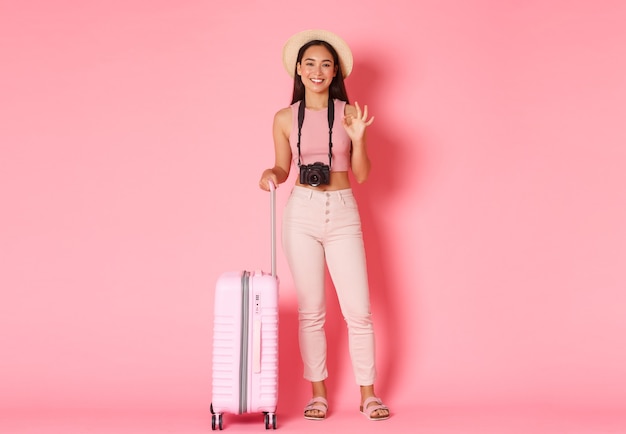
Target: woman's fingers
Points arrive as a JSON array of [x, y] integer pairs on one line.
[[264, 183], [362, 114]]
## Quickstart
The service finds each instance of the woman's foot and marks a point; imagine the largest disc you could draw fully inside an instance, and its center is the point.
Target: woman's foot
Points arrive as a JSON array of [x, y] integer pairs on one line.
[[316, 409], [371, 406], [374, 409]]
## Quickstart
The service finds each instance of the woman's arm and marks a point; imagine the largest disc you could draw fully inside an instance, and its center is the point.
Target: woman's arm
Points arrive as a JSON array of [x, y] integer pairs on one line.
[[282, 151]]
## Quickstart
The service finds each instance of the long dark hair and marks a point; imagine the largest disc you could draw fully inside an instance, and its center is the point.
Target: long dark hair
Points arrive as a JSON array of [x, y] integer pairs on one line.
[[337, 89]]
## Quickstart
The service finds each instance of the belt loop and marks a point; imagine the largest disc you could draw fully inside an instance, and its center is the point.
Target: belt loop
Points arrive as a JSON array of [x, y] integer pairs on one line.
[[310, 193], [341, 197]]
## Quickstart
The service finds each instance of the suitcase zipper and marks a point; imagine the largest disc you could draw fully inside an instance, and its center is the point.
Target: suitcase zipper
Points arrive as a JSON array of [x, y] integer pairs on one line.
[[243, 366]]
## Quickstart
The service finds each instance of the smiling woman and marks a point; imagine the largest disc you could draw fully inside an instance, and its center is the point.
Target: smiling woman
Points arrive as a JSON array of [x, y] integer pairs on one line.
[[321, 223]]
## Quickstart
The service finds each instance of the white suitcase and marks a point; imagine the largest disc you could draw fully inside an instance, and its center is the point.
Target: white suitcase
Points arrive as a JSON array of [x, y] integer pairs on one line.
[[245, 341]]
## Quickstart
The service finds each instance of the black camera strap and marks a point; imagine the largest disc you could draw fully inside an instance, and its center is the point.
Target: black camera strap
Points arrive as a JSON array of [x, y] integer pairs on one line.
[[331, 121]]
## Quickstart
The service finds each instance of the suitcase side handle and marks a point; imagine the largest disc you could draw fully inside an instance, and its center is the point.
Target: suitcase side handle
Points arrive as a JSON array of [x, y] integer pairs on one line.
[[273, 225]]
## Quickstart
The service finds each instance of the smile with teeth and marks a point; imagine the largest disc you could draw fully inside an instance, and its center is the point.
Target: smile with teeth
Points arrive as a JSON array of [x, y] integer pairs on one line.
[[317, 80]]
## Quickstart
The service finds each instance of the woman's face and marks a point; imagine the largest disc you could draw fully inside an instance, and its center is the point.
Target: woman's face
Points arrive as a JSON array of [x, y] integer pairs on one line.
[[317, 68]]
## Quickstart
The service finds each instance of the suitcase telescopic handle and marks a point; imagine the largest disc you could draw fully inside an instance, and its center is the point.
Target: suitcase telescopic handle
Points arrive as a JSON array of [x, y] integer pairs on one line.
[[273, 224]]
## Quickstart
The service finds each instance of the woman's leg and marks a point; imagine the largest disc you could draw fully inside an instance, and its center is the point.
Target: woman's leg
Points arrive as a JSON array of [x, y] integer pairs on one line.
[[346, 259], [345, 256], [305, 255]]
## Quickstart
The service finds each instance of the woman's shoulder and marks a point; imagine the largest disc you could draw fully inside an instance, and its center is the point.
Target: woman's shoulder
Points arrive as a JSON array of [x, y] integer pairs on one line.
[[283, 119], [283, 114]]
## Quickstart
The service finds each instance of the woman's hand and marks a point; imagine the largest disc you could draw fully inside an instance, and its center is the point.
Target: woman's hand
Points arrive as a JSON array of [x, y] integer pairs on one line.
[[356, 123], [267, 177]]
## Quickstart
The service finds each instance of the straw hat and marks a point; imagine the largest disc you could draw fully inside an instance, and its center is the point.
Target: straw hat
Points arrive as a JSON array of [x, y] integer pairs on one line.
[[293, 45]]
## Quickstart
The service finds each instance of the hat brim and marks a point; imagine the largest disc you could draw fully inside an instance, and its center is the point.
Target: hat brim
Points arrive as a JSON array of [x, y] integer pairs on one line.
[[293, 45]]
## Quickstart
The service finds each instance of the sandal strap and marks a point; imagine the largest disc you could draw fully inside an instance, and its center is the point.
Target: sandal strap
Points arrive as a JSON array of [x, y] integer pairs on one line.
[[318, 403], [369, 409], [371, 399]]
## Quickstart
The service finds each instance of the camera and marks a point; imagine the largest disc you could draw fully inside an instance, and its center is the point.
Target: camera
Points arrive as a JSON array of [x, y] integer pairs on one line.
[[315, 174]]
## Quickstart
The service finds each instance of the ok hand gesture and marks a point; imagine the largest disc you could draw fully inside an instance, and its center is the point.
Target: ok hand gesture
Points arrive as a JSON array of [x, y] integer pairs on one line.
[[356, 122]]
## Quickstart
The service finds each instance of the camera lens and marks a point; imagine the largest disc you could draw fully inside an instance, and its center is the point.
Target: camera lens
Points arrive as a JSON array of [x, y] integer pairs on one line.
[[314, 179]]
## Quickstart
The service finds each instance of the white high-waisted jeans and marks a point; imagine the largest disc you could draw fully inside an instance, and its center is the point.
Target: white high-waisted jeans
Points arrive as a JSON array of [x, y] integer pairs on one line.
[[319, 227]]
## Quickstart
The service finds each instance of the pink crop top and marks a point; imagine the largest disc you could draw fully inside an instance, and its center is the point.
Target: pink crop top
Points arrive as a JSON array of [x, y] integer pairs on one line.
[[314, 138]]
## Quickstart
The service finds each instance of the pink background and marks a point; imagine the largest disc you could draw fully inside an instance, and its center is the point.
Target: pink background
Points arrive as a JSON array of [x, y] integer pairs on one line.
[[132, 137]]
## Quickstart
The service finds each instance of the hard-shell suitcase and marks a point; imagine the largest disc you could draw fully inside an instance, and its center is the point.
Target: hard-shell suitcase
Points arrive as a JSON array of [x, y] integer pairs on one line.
[[245, 341]]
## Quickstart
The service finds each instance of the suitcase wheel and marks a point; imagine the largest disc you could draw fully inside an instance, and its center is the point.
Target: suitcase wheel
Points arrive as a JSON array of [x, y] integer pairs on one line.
[[217, 422], [270, 420]]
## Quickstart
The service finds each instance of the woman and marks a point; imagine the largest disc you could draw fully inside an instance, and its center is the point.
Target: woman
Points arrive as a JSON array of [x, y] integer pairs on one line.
[[324, 136]]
